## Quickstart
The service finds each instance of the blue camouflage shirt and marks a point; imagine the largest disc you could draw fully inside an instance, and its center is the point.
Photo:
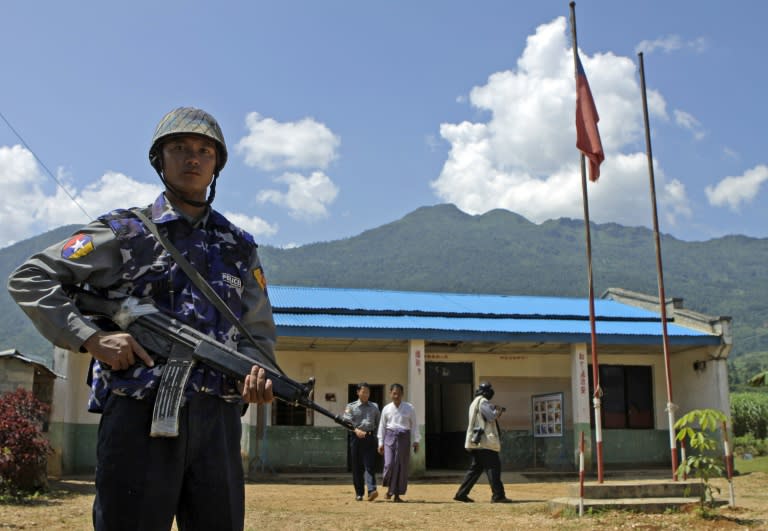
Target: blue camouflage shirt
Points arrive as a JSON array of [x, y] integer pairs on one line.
[[117, 256]]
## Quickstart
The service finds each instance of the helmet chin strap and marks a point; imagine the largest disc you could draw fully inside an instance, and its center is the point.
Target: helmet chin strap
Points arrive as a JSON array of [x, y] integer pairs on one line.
[[192, 202]]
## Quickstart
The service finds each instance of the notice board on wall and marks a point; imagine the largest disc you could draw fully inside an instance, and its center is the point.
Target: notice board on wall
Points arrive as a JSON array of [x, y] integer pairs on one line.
[[547, 415]]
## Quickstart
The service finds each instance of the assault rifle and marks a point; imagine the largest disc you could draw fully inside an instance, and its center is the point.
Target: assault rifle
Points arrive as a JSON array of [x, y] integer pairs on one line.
[[182, 346]]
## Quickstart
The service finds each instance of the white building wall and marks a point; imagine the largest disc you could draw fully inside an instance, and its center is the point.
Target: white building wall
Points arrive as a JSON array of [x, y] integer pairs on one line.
[[334, 371], [689, 381], [70, 405]]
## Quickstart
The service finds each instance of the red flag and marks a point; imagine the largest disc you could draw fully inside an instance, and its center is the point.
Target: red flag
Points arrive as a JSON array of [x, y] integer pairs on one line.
[[587, 135]]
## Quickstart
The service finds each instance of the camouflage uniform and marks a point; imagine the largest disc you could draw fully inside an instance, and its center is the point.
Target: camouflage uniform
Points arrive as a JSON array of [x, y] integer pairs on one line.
[[117, 256]]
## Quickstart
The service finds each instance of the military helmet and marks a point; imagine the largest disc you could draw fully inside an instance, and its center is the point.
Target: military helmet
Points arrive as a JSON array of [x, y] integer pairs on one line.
[[485, 389], [188, 120]]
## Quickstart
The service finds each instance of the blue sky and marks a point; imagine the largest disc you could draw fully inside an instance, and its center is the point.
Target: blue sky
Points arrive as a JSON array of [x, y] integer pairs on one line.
[[341, 116]]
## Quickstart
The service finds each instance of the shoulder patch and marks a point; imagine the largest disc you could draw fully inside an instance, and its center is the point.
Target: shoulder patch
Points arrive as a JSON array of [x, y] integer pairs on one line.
[[124, 223], [77, 246], [258, 274]]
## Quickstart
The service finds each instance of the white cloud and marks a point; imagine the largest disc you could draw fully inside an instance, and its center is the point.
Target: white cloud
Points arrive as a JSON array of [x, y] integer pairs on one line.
[[734, 191], [689, 122], [255, 225], [307, 197], [524, 157], [22, 180], [26, 210], [675, 203], [671, 43], [109, 192], [273, 145]]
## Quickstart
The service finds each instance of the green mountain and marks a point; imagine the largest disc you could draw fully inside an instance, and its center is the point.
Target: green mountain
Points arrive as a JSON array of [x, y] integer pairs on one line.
[[440, 248], [16, 331]]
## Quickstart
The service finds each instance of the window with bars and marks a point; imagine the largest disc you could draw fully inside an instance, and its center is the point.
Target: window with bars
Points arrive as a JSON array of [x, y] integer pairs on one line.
[[285, 414]]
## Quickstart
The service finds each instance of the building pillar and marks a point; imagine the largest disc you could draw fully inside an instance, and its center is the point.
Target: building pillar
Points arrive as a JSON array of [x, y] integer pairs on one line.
[[416, 393], [72, 430], [581, 403], [721, 389]]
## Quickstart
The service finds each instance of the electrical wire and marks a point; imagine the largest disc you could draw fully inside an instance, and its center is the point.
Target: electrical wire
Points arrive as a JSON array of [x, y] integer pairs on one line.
[[39, 161]]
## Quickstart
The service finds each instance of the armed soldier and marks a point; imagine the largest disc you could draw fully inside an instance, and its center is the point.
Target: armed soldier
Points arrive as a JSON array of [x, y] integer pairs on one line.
[[191, 471]]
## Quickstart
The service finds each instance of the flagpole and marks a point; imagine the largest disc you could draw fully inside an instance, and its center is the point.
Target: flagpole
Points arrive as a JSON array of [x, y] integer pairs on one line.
[[598, 392], [660, 275]]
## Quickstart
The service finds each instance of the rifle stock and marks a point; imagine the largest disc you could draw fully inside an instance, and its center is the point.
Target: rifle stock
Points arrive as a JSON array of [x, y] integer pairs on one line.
[[164, 336]]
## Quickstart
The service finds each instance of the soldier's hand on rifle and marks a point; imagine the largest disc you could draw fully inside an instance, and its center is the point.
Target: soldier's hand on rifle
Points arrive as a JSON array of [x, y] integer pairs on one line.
[[257, 389], [119, 350]]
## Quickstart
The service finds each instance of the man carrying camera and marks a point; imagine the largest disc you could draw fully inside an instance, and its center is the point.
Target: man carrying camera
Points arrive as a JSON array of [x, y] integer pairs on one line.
[[483, 443]]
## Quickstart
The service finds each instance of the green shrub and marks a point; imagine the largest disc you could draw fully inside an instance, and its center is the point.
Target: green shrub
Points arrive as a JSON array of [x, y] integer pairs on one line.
[[749, 444], [749, 414]]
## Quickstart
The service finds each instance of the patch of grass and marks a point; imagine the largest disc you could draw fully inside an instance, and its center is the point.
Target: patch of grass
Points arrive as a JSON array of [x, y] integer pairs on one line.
[[756, 464]]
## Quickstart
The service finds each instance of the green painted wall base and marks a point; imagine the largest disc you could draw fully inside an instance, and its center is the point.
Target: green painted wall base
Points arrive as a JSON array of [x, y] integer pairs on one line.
[[624, 448], [307, 449], [520, 450], [288, 448], [298, 448], [636, 447], [74, 448]]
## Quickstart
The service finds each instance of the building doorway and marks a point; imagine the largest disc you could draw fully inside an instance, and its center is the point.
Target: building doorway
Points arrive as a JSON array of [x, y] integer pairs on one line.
[[448, 395]]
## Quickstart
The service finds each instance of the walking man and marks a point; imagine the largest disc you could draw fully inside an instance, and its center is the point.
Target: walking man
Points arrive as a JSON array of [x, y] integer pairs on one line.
[[364, 415], [484, 444], [398, 431]]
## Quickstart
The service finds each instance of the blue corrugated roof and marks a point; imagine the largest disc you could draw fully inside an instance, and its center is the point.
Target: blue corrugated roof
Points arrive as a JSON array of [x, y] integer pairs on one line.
[[342, 312]]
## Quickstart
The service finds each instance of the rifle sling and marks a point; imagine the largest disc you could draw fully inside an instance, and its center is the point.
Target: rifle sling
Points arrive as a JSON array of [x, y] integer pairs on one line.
[[197, 279]]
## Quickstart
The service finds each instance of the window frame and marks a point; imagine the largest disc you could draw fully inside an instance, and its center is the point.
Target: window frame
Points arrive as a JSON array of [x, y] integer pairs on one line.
[[628, 397]]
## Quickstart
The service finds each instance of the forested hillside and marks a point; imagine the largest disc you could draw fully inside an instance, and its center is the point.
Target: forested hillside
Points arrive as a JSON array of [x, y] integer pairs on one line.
[[440, 248]]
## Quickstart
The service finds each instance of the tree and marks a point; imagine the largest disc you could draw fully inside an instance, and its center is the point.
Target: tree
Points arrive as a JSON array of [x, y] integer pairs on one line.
[[697, 426]]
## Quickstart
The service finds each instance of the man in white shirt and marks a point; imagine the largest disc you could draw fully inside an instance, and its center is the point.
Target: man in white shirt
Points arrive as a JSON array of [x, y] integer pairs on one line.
[[398, 431]]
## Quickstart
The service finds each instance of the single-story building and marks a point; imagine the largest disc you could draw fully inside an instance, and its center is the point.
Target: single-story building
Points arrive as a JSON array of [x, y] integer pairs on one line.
[[18, 370], [536, 351]]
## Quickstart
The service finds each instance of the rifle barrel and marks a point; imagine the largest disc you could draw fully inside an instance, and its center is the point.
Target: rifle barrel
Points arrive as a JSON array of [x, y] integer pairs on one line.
[[163, 335]]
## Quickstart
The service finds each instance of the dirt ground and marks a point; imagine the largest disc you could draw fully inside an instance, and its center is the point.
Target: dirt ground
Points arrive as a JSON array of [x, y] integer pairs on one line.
[[327, 502]]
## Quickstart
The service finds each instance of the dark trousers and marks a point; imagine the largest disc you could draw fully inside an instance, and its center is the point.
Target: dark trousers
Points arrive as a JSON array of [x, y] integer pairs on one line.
[[363, 457], [142, 482], [488, 461]]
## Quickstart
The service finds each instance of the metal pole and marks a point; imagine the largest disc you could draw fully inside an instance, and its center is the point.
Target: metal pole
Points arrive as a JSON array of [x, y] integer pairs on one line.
[[598, 392], [728, 464], [683, 459], [581, 475], [660, 275]]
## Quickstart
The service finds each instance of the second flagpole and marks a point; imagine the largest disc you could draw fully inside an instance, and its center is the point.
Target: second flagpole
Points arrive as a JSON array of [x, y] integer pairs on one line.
[[660, 275]]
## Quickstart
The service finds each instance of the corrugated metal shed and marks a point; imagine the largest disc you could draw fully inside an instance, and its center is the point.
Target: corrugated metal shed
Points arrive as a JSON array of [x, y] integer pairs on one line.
[[38, 364], [379, 314]]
